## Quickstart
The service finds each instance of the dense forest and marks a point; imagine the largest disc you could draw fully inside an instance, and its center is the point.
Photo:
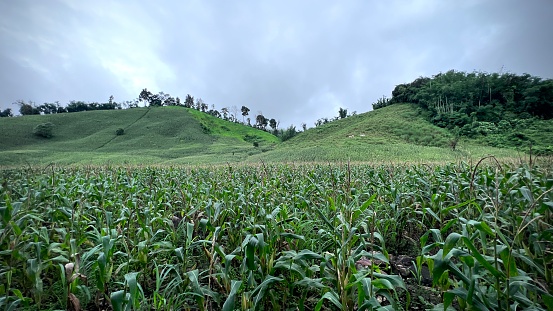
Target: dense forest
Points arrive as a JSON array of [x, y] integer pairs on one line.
[[498, 107]]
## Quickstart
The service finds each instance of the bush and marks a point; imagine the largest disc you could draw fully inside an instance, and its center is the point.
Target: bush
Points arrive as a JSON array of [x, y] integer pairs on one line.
[[119, 132], [44, 130]]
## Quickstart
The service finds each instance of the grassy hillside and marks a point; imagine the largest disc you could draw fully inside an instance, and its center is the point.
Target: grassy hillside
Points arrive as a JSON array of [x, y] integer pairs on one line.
[[177, 135], [393, 133], [157, 135]]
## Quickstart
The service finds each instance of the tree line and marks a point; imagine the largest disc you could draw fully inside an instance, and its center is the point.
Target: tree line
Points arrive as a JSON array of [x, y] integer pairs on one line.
[[478, 103], [148, 99], [457, 97]]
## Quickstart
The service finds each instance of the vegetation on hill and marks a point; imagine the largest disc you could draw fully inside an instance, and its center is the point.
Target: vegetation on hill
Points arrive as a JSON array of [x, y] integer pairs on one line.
[[149, 99], [503, 110], [395, 133], [139, 135]]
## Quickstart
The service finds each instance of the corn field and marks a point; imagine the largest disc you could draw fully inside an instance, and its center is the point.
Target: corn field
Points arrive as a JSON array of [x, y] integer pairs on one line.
[[277, 237]]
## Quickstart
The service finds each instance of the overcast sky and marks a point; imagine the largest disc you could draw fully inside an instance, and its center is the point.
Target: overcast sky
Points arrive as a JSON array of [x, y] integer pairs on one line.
[[295, 61]]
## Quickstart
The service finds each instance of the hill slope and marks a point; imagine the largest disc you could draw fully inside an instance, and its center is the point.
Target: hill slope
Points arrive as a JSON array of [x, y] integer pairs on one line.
[[156, 135], [177, 135], [394, 133]]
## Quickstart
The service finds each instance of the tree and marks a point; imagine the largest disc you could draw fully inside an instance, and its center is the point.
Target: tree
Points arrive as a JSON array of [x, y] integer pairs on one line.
[[189, 101], [44, 130], [245, 110], [48, 108], [200, 105], [343, 113], [288, 133], [224, 112], [145, 96], [233, 113], [157, 99], [76, 106], [273, 124], [26, 109], [6, 113], [170, 101], [261, 121]]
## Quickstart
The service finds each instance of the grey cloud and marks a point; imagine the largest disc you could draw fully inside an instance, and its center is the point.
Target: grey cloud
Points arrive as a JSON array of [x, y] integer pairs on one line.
[[295, 61]]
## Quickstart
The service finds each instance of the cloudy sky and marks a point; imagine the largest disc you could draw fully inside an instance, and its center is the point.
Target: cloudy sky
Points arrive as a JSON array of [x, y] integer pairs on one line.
[[295, 61]]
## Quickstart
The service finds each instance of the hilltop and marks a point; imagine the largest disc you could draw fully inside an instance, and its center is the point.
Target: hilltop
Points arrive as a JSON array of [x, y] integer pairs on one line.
[[151, 135]]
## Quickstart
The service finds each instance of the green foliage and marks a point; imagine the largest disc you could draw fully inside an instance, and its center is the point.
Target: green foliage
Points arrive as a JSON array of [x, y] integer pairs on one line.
[[481, 104], [119, 132], [307, 237], [288, 133], [382, 102], [6, 113], [26, 109], [45, 130]]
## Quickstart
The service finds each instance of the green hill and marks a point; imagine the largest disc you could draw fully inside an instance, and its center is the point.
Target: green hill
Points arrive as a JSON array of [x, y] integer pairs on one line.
[[155, 135], [503, 110], [177, 135], [395, 133]]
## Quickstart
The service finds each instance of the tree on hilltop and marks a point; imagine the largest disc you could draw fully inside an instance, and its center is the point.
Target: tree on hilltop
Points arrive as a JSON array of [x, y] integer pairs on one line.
[[245, 110]]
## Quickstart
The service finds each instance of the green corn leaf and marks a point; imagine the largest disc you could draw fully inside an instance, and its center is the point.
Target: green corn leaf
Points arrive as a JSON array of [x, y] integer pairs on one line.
[[325, 219], [189, 232], [373, 304], [450, 242], [133, 285], [292, 236], [250, 257], [382, 284], [180, 253], [437, 235], [374, 255], [118, 300], [260, 290], [429, 211], [526, 193], [367, 203], [308, 282], [476, 254], [306, 254], [194, 281], [448, 225], [395, 280], [229, 302], [330, 296]]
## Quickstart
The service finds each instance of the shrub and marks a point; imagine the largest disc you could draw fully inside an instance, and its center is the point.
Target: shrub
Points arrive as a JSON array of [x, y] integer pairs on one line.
[[44, 130], [119, 132], [255, 144]]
